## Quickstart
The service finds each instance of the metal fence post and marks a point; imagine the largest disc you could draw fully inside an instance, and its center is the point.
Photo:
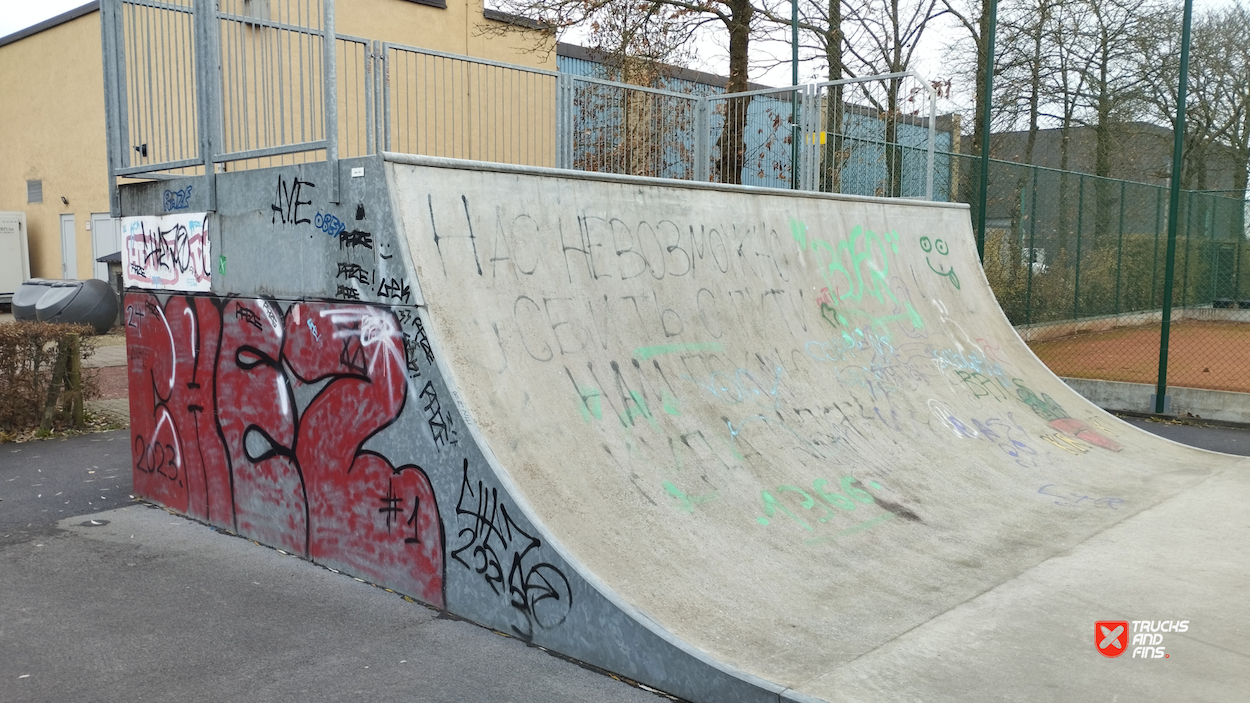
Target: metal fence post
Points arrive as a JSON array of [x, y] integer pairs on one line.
[[386, 96], [702, 165], [370, 68], [331, 96], [208, 108], [811, 121], [928, 188], [564, 122], [112, 117]]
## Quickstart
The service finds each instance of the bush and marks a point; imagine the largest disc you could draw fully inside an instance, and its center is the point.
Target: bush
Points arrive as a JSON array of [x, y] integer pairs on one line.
[[28, 359]]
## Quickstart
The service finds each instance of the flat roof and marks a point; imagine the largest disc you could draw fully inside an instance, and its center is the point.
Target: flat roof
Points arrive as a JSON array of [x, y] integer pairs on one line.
[[51, 22]]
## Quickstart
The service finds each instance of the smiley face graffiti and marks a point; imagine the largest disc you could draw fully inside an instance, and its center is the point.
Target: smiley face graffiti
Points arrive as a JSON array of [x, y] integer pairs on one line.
[[940, 247]]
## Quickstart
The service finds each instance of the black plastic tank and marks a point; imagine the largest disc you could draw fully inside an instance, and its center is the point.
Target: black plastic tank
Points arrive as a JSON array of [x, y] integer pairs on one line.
[[91, 302], [27, 295]]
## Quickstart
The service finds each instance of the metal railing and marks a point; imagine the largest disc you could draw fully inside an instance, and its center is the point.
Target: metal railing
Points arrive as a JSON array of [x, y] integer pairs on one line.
[[455, 106], [269, 82]]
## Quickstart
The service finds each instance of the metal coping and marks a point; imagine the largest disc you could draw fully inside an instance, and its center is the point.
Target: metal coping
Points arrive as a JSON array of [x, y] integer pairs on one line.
[[467, 165]]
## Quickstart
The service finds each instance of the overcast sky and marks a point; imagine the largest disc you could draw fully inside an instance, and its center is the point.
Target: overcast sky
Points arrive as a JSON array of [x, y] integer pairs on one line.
[[19, 14]]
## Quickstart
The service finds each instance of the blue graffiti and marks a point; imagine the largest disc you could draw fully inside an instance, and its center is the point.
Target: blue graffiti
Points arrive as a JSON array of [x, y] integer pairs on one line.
[[178, 199], [329, 224]]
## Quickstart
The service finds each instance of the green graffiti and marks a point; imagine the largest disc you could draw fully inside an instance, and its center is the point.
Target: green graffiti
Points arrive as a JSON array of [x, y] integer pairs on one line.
[[940, 247], [850, 487], [1045, 407], [851, 530], [644, 353], [638, 409], [772, 505], [848, 259], [670, 402], [798, 230], [882, 322], [591, 403], [686, 502], [837, 319], [221, 265]]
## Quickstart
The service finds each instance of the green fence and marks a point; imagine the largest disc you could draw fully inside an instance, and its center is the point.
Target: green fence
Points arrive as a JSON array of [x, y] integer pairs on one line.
[[1077, 263]]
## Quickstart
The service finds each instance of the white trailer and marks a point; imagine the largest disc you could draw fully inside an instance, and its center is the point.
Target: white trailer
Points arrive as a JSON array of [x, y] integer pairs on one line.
[[14, 254]]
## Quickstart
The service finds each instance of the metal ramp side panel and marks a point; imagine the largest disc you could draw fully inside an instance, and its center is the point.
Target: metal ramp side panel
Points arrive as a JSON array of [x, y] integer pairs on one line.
[[784, 428]]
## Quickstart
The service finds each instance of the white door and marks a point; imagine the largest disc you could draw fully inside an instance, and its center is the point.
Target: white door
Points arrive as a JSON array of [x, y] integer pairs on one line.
[[69, 248], [105, 240]]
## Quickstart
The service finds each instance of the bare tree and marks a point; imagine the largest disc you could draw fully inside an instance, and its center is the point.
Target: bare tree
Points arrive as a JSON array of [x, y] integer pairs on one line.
[[882, 39], [679, 18], [822, 38]]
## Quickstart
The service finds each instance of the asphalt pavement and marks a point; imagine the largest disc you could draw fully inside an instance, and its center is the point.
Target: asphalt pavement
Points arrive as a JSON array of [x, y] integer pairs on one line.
[[103, 598]]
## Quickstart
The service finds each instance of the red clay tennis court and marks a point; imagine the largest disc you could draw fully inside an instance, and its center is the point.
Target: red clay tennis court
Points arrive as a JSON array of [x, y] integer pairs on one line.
[[1211, 355]]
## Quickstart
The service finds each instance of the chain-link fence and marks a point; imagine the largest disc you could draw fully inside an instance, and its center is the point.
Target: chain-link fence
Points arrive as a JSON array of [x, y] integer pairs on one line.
[[1078, 264], [1077, 261]]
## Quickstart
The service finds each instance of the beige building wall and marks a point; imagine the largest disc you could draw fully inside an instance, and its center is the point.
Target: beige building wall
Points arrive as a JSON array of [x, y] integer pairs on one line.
[[52, 130], [51, 83], [460, 28]]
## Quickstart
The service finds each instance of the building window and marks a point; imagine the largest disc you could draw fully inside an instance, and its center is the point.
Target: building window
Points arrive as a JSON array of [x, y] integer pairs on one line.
[[432, 3], [34, 191]]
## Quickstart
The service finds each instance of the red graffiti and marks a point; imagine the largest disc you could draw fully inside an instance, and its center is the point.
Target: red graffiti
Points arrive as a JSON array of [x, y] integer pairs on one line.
[[218, 431]]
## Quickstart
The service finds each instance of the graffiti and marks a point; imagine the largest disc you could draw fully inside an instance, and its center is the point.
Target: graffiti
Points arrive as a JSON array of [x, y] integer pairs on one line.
[[442, 428], [356, 238], [981, 386], [329, 224], [287, 203], [832, 503], [352, 272], [1055, 416], [507, 557], [940, 247], [254, 416], [863, 251], [423, 340], [1072, 500], [827, 311], [170, 251], [394, 288], [178, 199]]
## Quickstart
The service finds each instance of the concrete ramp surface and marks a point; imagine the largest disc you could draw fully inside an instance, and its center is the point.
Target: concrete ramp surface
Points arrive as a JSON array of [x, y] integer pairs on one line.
[[736, 444]]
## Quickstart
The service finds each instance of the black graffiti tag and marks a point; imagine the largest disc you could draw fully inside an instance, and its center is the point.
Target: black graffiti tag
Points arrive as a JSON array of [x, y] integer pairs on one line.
[[493, 543]]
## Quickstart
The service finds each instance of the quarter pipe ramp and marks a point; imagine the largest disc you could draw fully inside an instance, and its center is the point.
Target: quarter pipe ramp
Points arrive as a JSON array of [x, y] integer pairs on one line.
[[732, 443]]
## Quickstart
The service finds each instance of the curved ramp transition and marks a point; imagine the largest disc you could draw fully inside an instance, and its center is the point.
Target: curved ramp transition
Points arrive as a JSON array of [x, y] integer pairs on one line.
[[736, 444]]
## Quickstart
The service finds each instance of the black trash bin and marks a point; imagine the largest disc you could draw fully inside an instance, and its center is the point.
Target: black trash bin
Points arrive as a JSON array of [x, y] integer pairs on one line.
[[27, 295], [91, 302]]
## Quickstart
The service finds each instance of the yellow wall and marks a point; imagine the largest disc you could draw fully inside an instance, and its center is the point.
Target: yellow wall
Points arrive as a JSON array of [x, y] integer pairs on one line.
[[53, 126], [51, 85], [456, 30]]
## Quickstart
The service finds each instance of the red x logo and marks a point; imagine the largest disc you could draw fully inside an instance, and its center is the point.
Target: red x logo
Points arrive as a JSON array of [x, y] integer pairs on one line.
[[1111, 637]]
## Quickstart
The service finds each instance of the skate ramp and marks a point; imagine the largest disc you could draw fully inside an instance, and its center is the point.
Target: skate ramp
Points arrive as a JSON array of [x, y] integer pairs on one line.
[[789, 433], [732, 443]]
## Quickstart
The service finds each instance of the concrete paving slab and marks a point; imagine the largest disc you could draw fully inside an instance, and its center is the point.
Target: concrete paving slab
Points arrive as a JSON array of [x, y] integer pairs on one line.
[[136, 604], [106, 599], [106, 355]]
